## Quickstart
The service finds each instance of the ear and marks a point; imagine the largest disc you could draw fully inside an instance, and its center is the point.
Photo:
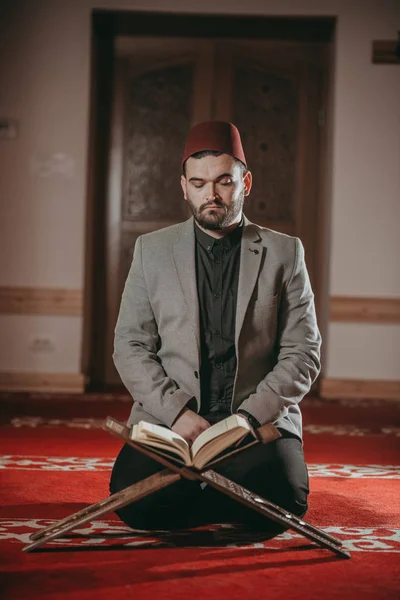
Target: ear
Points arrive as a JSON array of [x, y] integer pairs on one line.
[[247, 182], [183, 186]]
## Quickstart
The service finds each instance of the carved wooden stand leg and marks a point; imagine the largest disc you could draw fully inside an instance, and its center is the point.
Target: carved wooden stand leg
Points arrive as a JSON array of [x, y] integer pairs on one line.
[[274, 512], [94, 511], [173, 473]]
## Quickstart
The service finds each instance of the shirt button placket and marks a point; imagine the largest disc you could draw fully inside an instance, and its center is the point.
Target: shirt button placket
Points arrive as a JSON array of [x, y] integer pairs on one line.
[[217, 316]]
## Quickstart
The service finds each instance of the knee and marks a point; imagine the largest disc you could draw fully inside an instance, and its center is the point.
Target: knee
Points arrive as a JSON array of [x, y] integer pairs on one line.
[[116, 484], [293, 480], [136, 514], [294, 498], [285, 493], [127, 514]]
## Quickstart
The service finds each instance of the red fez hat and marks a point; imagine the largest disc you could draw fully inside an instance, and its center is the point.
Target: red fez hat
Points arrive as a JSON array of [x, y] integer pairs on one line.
[[215, 135]]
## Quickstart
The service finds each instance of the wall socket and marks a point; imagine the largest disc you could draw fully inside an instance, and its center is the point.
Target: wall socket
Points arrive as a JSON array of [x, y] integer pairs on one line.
[[42, 344], [8, 129]]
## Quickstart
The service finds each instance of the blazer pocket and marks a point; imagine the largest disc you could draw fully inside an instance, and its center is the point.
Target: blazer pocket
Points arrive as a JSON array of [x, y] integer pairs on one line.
[[266, 301], [265, 314]]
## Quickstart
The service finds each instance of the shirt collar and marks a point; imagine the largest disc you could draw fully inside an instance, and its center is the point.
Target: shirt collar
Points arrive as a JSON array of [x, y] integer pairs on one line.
[[227, 242]]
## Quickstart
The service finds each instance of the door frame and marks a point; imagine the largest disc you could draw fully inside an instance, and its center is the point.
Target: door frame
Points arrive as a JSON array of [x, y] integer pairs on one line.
[[106, 26]]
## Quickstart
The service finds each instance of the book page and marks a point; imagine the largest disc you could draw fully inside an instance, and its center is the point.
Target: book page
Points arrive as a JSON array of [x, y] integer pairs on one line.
[[217, 430], [156, 436], [165, 449], [148, 430]]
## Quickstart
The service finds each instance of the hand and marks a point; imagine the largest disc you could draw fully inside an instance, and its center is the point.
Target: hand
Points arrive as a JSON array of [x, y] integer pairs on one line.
[[189, 425]]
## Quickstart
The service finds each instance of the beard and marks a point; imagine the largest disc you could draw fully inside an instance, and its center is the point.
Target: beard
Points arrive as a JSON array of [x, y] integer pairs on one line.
[[218, 218]]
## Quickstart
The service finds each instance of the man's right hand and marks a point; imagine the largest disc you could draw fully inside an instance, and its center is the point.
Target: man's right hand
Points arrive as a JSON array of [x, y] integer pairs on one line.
[[189, 425]]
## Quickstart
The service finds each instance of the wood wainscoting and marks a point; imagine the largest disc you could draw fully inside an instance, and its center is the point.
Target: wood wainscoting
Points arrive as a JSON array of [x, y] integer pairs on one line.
[[48, 302], [59, 301], [350, 309], [40, 301], [359, 389]]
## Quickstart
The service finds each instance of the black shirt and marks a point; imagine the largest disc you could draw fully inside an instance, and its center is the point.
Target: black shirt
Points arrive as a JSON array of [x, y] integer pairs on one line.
[[217, 275]]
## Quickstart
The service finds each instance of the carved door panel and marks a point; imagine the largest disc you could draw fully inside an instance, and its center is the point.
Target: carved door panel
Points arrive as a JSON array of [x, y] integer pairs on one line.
[[271, 91], [162, 88]]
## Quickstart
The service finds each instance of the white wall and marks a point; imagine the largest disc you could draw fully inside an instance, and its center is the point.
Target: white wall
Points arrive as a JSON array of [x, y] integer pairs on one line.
[[44, 83]]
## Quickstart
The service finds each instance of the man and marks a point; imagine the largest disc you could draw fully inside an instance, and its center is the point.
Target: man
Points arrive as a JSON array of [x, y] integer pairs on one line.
[[217, 317]]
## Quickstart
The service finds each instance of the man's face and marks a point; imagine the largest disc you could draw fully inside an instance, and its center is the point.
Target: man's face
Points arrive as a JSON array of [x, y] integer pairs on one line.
[[215, 187]]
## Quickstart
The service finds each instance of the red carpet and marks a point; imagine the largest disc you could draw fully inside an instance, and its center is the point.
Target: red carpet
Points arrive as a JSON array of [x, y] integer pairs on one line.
[[55, 460]]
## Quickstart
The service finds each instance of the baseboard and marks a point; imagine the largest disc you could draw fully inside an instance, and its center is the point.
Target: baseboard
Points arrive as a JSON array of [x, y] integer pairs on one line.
[[71, 383], [370, 389]]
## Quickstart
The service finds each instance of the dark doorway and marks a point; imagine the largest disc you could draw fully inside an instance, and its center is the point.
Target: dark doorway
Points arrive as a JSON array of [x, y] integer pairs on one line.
[[268, 75]]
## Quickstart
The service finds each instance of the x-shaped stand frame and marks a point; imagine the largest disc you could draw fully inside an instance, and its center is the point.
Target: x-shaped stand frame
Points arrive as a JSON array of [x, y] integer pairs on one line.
[[173, 472]]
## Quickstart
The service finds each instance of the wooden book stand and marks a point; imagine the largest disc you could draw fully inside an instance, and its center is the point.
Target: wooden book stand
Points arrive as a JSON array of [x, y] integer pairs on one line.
[[173, 472]]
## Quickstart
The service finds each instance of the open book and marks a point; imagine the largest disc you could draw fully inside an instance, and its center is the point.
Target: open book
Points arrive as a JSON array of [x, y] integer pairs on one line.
[[206, 446]]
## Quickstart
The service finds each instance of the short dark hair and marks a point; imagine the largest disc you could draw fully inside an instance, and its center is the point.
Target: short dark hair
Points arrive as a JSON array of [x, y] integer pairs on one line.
[[204, 153]]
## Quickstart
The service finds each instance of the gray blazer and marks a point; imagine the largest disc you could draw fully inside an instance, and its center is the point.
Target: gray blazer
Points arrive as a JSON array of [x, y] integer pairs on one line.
[[157, 339]]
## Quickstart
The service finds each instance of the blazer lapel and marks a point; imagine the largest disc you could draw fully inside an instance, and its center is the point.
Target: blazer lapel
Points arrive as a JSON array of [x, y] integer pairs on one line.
[[183, 250], [251, 255]]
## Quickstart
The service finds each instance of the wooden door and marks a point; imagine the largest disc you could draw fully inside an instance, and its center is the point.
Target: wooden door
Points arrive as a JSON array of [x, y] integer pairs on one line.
[[270, 90]]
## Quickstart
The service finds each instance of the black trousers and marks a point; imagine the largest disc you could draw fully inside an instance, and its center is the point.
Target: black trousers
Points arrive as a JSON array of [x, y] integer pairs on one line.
[[276, 471]]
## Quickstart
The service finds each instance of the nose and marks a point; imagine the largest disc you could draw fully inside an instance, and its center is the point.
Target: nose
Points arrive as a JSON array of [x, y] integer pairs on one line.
[[211, 191]]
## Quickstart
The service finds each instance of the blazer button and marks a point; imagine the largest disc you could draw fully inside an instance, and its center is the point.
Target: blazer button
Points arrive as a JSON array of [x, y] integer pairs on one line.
[[196, 374]]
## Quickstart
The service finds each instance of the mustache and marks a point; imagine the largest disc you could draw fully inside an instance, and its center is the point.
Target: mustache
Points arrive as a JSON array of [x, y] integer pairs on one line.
[[213, 203]]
